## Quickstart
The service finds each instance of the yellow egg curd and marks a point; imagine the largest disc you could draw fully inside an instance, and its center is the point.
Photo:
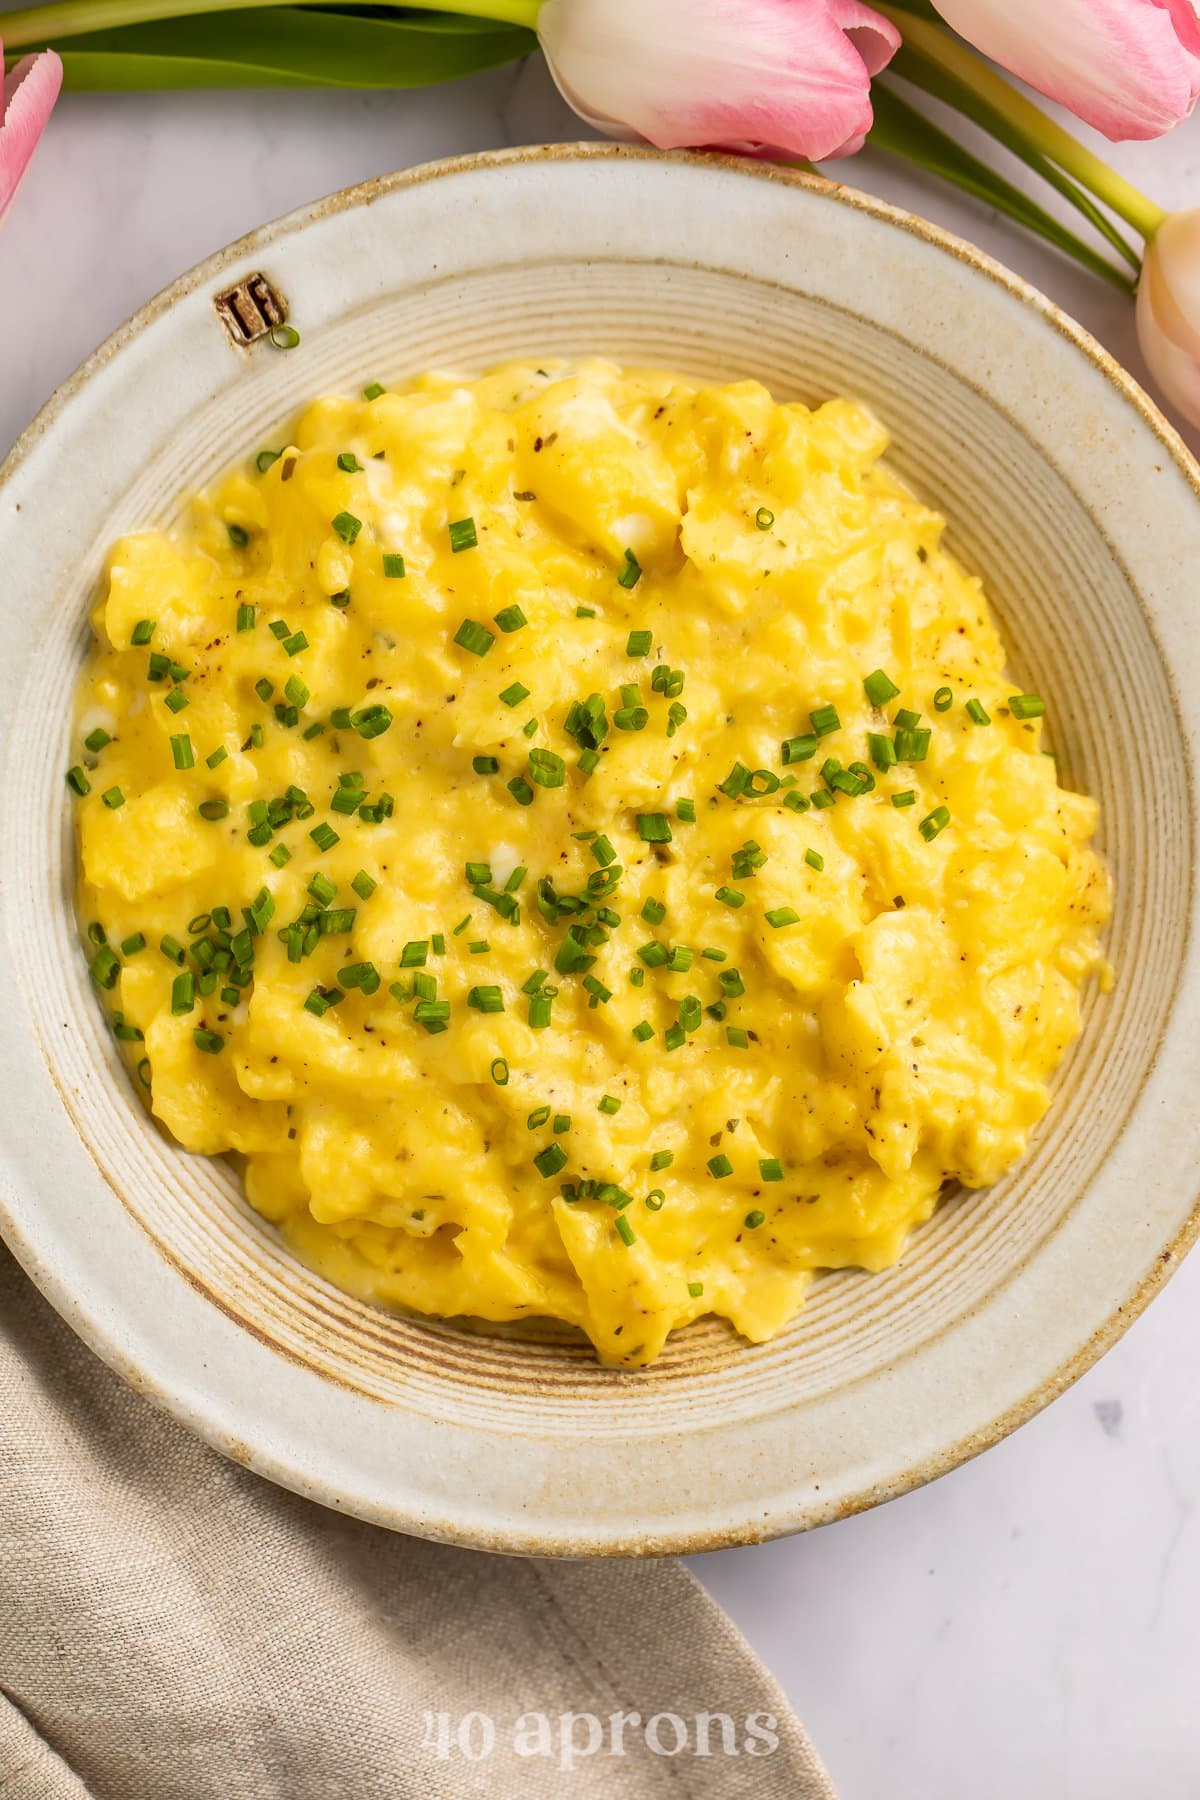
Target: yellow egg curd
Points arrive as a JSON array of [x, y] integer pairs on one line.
[[571, 835]]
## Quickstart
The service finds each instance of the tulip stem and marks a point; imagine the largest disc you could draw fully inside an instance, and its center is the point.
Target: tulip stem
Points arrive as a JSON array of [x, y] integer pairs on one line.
[[1042, 132], [49, 24]]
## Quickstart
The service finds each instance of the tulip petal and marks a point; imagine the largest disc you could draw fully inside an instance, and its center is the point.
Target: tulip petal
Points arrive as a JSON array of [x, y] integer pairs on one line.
[[767, 77], [1131, 68], [29, 94], [1175, 368]]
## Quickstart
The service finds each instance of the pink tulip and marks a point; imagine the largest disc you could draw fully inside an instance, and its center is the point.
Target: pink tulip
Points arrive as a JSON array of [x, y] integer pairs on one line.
[[1131, 68], [29, 95], [1168, 311], [764, 77]]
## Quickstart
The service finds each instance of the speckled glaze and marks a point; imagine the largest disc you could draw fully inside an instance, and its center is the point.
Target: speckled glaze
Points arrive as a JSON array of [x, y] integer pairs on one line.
[[1063, 487]]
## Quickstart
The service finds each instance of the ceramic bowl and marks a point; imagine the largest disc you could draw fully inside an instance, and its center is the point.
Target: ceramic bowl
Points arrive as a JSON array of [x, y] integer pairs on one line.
[[1063, 487]]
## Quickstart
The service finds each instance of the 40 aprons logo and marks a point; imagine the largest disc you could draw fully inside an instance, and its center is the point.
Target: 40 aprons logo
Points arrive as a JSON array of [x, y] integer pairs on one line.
[[568, 1738]]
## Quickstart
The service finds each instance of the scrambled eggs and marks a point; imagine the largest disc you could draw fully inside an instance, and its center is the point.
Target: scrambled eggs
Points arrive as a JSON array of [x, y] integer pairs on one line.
[[570, 833]]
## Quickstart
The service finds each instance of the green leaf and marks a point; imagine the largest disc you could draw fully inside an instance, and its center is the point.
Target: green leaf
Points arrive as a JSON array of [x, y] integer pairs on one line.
[[903, 131], [289, 47], [911, 66]]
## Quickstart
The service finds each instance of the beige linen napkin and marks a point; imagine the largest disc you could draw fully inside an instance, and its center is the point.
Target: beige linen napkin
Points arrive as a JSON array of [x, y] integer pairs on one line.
[[174, 1628]]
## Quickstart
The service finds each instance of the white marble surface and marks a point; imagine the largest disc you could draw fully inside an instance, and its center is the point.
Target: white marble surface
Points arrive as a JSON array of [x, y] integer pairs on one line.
[[1028, 1625]]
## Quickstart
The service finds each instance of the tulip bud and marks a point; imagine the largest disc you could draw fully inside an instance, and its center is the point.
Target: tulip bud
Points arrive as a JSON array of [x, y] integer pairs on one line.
[[29, 94], [1131, 68], [783, 78], [1168, 311]]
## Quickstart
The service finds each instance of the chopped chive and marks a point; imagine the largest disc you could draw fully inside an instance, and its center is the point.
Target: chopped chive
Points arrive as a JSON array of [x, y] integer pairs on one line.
[[912, 745], [764, 518], [176, 700], [373, 390], [246, 618], [539, 1010], [143, 631], [798, 749], [349, 464], [585, 612], [560, 1124], [296, 691], [520, 790], [346, 526], [1026, 706], [371, 721], [638, 643], [624, 1230], [511, 618], [821, 798], [782, 915], [737, 1038], [537, 1118], [280, 855], [211, 1042], [814, 859], [943, 700], [213, 810], [882, 749], [486, 999], [113, 798], [754, 1219], [674, 1037], [393, 565], [183, 993], [363, 885], [296, 643], [824, 719], [499, 1071], [172, 949], [907, 797], [104, 968], [476, 638], [795, 802], [719, 1166], [549, 1161], [654, 912], [654, 828], [770, 1168], [96, 740], [934, 822], [686, 811], [731, 897], [462, 535], [266, 459], [880, 688], [906, 720], [631, 573], [324, 836], [131, 945], [78, 782], [643, 1030], [217, 758], [761, 782], [547, 768], [486, 765], [239, 537], [695, 1289], [182, 753], [434, 1015], [529, 728], [609, 1104], [977, 713], [662, 1159]]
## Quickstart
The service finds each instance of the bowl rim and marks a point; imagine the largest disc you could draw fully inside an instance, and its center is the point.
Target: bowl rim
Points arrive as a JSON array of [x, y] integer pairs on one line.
[[202, 1413]]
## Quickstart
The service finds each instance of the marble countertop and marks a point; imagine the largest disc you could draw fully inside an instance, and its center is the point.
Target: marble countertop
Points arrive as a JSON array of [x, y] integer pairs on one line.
[[1024, 1626]]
